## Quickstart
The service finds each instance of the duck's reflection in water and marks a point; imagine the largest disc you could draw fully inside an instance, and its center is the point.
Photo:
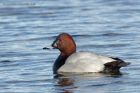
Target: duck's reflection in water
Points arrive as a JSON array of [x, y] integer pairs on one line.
[[65, 84], [70, 83]]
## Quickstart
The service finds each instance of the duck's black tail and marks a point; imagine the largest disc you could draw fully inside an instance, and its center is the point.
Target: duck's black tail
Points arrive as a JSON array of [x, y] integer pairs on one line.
[[114, 67]]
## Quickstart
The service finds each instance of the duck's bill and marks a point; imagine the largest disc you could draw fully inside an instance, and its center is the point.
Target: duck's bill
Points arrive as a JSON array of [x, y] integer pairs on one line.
[[48, 48], [54, 44]]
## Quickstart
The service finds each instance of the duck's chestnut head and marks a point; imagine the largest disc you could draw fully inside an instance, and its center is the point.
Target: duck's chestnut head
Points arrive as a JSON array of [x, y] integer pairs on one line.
[[65, 43]]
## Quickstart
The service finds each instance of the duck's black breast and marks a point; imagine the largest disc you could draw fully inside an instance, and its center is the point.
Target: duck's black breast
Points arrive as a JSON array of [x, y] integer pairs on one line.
[[60, 61]]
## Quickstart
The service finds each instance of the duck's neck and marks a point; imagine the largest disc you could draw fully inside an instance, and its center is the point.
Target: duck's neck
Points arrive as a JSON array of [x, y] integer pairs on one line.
[[60, 61]]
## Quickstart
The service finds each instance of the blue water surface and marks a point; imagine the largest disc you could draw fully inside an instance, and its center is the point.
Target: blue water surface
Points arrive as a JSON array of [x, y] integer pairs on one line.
[[107, 27]]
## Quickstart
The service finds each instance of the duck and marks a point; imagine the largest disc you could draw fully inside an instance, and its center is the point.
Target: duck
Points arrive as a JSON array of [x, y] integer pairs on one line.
[[71, 61]]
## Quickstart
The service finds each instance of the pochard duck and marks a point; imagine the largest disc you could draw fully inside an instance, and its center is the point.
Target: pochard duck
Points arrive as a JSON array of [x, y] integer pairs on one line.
[[80, 62]]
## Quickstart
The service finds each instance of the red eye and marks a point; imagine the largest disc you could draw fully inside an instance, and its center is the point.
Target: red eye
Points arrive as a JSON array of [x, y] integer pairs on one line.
[[60, 40]]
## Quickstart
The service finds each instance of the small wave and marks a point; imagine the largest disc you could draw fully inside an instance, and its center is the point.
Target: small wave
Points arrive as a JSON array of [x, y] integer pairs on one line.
[[6, 61], [104, 46], [112, 34], [105, 84], [84, 35]]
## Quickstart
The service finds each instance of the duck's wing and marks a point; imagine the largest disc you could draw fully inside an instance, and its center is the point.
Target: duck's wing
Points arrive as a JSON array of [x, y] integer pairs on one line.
[[85, 62]]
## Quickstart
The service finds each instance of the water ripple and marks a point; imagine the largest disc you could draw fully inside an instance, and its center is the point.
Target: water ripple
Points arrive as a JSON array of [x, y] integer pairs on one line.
[[103, 26]]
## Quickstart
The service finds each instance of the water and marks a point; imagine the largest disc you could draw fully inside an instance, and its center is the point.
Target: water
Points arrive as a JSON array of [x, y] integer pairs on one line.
[[109, 27]]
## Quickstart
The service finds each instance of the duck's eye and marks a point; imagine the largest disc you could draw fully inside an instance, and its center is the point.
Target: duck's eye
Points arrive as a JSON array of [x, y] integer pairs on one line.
[[59, 40]]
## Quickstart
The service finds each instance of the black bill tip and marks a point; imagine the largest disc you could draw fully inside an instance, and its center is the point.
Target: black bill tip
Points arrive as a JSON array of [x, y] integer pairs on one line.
[[48, 48], [44, 48]]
